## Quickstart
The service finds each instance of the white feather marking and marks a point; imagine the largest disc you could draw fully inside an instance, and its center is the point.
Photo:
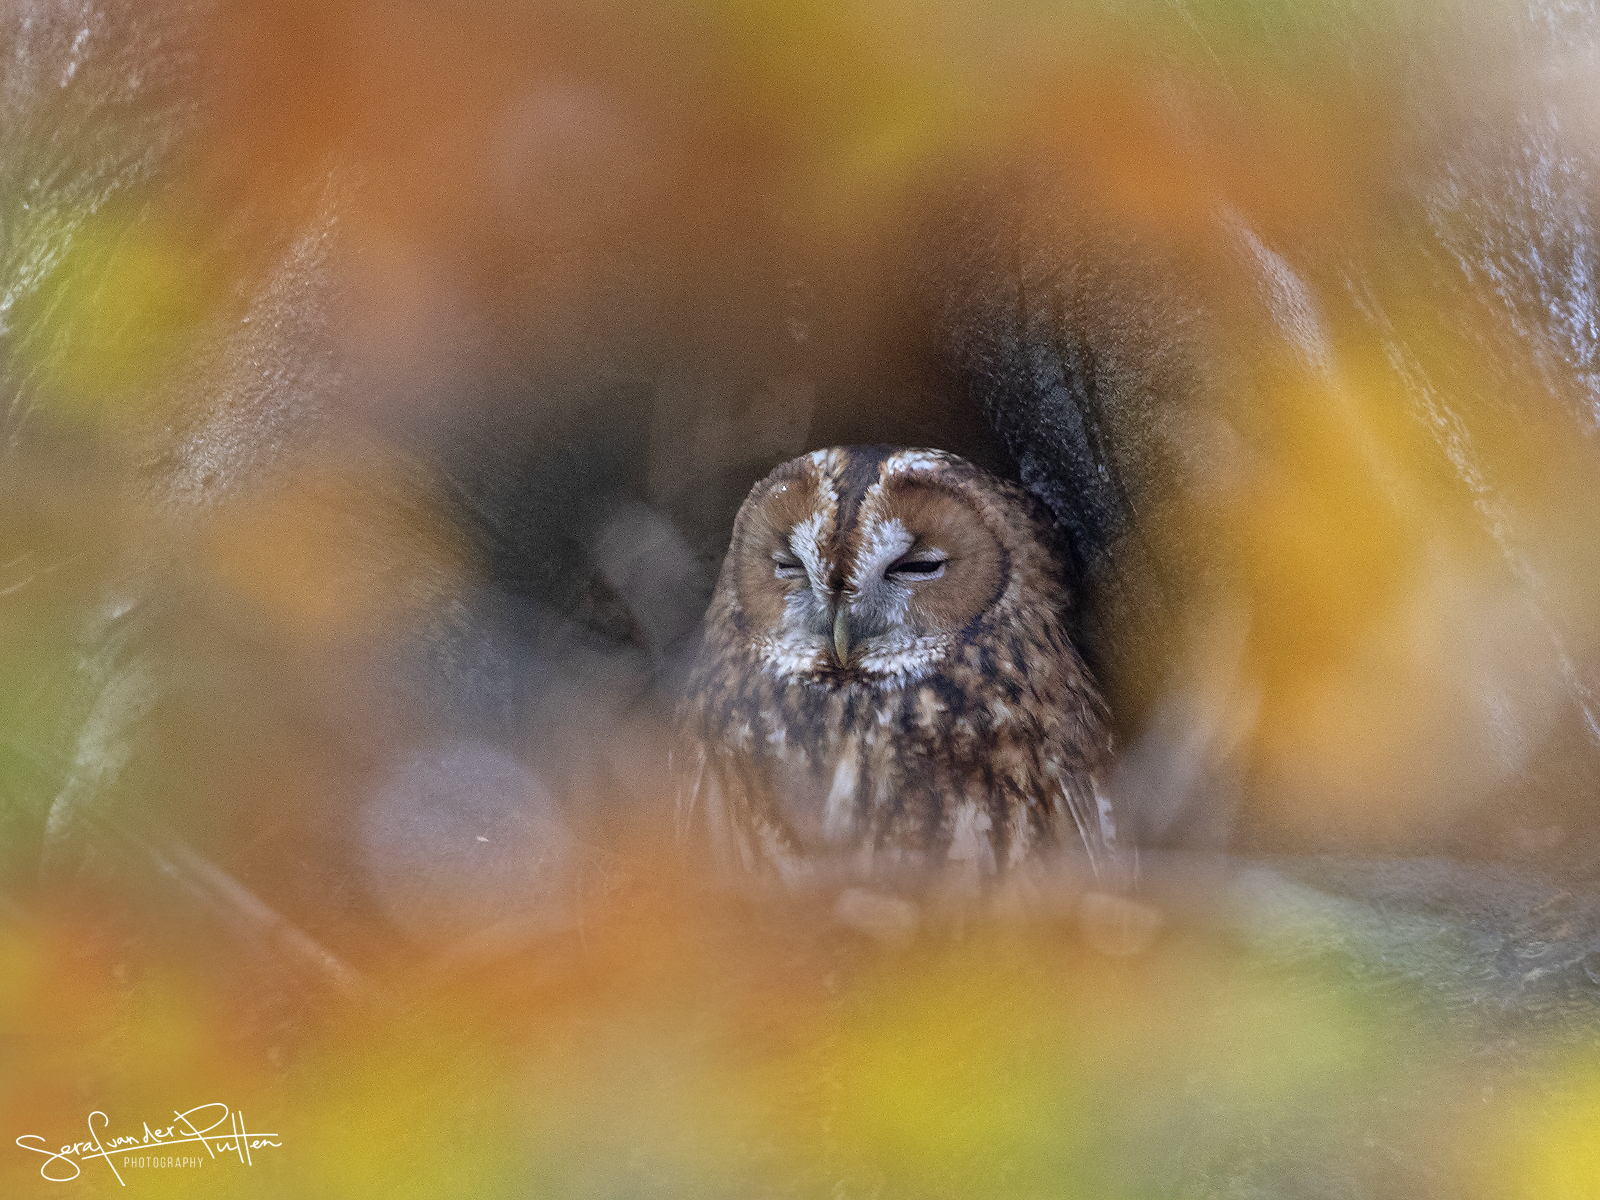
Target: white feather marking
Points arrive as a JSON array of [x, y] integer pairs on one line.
[[900, 658], [903, 461], [882, 542], [1021, 835], [688, 797], [826, 460], [720, 830], [795, 653], [805, 539], [838, 814], [1108, 823], [969, 838], [889, 662], [1080, 819]]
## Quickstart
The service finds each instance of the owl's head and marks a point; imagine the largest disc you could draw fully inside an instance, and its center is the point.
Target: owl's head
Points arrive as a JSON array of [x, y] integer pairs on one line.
[[874, 564]]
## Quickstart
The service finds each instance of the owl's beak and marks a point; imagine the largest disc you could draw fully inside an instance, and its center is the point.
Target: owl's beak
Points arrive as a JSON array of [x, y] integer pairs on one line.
[[841, 634]]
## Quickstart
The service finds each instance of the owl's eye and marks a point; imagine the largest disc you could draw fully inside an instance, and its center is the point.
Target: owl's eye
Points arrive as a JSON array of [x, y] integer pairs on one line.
[[785, 567], [912, 570]]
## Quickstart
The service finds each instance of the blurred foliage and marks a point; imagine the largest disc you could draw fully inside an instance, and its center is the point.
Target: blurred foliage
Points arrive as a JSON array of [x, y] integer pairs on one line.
[[118, 307], [681, 1056], [547, 320], [1558, 1155], [58, 530]]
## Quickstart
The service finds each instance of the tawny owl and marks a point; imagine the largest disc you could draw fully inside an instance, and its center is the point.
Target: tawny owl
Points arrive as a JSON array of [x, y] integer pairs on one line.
[[885, 686]]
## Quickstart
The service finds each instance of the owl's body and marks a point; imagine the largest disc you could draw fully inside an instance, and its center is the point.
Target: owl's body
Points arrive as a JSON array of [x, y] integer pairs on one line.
[[886, 685]]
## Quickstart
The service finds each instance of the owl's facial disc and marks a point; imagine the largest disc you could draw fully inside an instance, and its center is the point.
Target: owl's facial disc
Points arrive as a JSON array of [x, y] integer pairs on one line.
[[782, 556], [875, 571]]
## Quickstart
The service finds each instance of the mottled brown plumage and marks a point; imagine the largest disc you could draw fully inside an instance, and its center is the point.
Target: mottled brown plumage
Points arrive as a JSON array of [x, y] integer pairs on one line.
[[886, 686]]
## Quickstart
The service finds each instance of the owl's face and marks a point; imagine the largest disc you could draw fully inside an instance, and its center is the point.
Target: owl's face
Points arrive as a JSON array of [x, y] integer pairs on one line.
[[860, 565]]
